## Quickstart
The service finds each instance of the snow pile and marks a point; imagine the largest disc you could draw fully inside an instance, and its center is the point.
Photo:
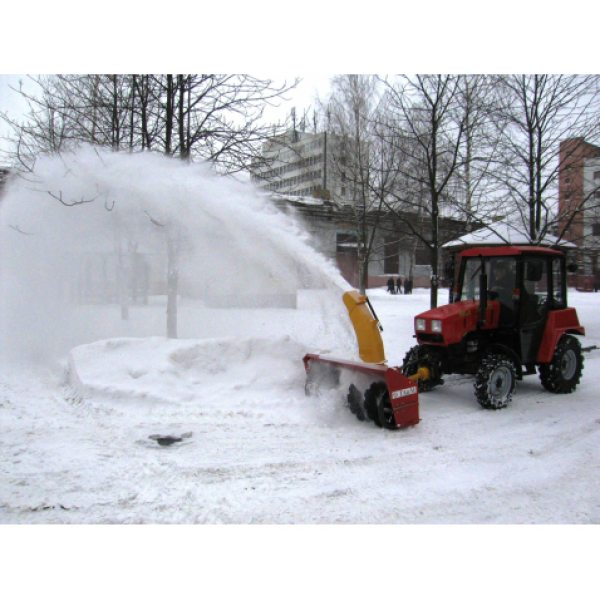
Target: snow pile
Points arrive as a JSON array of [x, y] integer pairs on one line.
[[260, 379], [203, 372]]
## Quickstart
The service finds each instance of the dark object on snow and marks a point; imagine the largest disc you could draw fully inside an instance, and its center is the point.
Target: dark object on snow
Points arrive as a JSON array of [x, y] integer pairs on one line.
[[165, 440]]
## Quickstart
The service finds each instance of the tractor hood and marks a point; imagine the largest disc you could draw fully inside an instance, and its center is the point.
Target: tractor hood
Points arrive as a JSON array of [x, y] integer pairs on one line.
[[448, 324]]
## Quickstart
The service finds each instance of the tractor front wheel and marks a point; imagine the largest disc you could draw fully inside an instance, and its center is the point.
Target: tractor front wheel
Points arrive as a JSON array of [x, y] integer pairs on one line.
[[562, 375], [372, 398], [495, 382], [423, 356]]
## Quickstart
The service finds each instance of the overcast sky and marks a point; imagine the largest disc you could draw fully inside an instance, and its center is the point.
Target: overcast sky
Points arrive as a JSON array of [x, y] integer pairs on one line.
[[303, 97], [10, 102]]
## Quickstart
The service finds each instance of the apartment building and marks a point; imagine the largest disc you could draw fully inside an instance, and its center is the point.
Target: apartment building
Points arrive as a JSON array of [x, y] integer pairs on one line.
[[299, 163], [305, 173], [579, 201]]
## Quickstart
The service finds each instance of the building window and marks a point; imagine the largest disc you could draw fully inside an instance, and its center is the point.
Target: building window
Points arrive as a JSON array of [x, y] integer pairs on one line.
[[346, 243], [391, 258], [596, 174], [567, 181], [343, 192], [596, 229]]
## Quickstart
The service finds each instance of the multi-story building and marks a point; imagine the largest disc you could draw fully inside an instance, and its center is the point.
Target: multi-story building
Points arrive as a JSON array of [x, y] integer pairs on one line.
[[396, 252], [579, 201], [305, 173], [298, 163]]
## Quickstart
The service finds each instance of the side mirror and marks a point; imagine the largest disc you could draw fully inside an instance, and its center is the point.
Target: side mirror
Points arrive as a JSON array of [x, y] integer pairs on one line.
[[572, 268]]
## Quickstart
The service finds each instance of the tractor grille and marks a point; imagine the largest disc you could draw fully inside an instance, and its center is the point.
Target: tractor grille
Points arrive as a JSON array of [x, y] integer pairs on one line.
[[431, 338]]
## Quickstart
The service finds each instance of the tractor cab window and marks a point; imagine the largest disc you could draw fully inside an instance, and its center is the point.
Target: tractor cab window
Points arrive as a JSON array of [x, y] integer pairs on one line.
[[502, 280], [558, 285], [470, 288], [535, 290], [501, 277]]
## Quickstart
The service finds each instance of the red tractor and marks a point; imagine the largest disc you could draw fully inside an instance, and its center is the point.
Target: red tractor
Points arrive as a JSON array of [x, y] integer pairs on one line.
[[509, 315]]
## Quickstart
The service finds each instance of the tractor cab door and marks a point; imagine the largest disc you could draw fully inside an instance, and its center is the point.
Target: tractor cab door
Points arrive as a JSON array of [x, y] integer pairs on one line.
[[534, 302]]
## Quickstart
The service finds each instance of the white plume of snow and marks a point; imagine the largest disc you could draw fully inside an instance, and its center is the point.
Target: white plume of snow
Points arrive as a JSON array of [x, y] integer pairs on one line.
[[235, 247]]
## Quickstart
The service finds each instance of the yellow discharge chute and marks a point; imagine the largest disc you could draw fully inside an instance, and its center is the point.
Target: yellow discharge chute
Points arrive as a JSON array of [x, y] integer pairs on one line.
[[366, 326]]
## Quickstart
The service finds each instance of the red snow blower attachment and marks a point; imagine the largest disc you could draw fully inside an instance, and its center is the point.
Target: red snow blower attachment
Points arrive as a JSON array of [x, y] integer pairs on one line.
[[376, 392]]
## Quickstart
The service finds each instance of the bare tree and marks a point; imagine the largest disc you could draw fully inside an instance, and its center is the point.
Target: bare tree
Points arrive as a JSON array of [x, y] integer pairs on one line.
[[350, 111], [216, 118], [427, 125], [476, 197], [533, 114]]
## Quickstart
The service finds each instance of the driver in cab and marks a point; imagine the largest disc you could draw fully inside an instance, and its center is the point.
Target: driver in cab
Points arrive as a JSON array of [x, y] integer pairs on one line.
[[502, 282]]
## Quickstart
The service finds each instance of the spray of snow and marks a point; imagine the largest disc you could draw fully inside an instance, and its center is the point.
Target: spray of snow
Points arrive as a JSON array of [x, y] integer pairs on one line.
[[240, 259]]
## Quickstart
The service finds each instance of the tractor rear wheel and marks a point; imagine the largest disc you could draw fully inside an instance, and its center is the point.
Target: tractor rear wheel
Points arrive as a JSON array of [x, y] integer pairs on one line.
[[562, 375], [372, 398], [495, 381]]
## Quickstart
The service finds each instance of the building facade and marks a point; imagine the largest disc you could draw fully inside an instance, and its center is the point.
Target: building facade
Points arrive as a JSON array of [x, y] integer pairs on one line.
[[396, 252], [579, 202], [305, 173], [300, 164]]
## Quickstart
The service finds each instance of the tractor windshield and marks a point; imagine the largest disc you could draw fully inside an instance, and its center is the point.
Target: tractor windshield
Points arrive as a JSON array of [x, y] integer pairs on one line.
[[501, 274]]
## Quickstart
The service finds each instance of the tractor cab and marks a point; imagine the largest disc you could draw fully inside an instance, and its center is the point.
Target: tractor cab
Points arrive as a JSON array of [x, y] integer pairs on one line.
[[526, 282]]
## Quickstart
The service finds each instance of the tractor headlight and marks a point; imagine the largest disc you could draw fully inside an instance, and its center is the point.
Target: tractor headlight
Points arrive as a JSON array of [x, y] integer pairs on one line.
[[420, 325], [436, 326]]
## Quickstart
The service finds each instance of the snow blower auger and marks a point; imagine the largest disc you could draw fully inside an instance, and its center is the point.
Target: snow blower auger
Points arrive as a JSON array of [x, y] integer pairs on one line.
[[376, 392]]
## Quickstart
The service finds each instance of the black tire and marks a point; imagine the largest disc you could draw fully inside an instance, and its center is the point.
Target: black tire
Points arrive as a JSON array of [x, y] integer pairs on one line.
[[385, 411], [495, 381], [372, 396], [423, 356], [562, 375], [355, 403]]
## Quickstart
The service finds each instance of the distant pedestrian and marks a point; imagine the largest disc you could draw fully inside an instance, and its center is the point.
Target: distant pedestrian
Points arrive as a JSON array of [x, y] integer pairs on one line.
[[410, 284], [399, 285], [406, 286], [390, 285]]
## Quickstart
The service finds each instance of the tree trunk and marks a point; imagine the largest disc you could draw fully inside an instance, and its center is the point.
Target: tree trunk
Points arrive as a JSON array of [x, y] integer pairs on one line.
[[434, 276], [363, 275], [172, 284], [169, 116], [435, 250], [116, 134], [123, 279]]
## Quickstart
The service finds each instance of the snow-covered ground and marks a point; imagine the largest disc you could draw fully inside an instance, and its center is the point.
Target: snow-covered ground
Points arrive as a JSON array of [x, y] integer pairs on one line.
[[76, 448], [83, 393]]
